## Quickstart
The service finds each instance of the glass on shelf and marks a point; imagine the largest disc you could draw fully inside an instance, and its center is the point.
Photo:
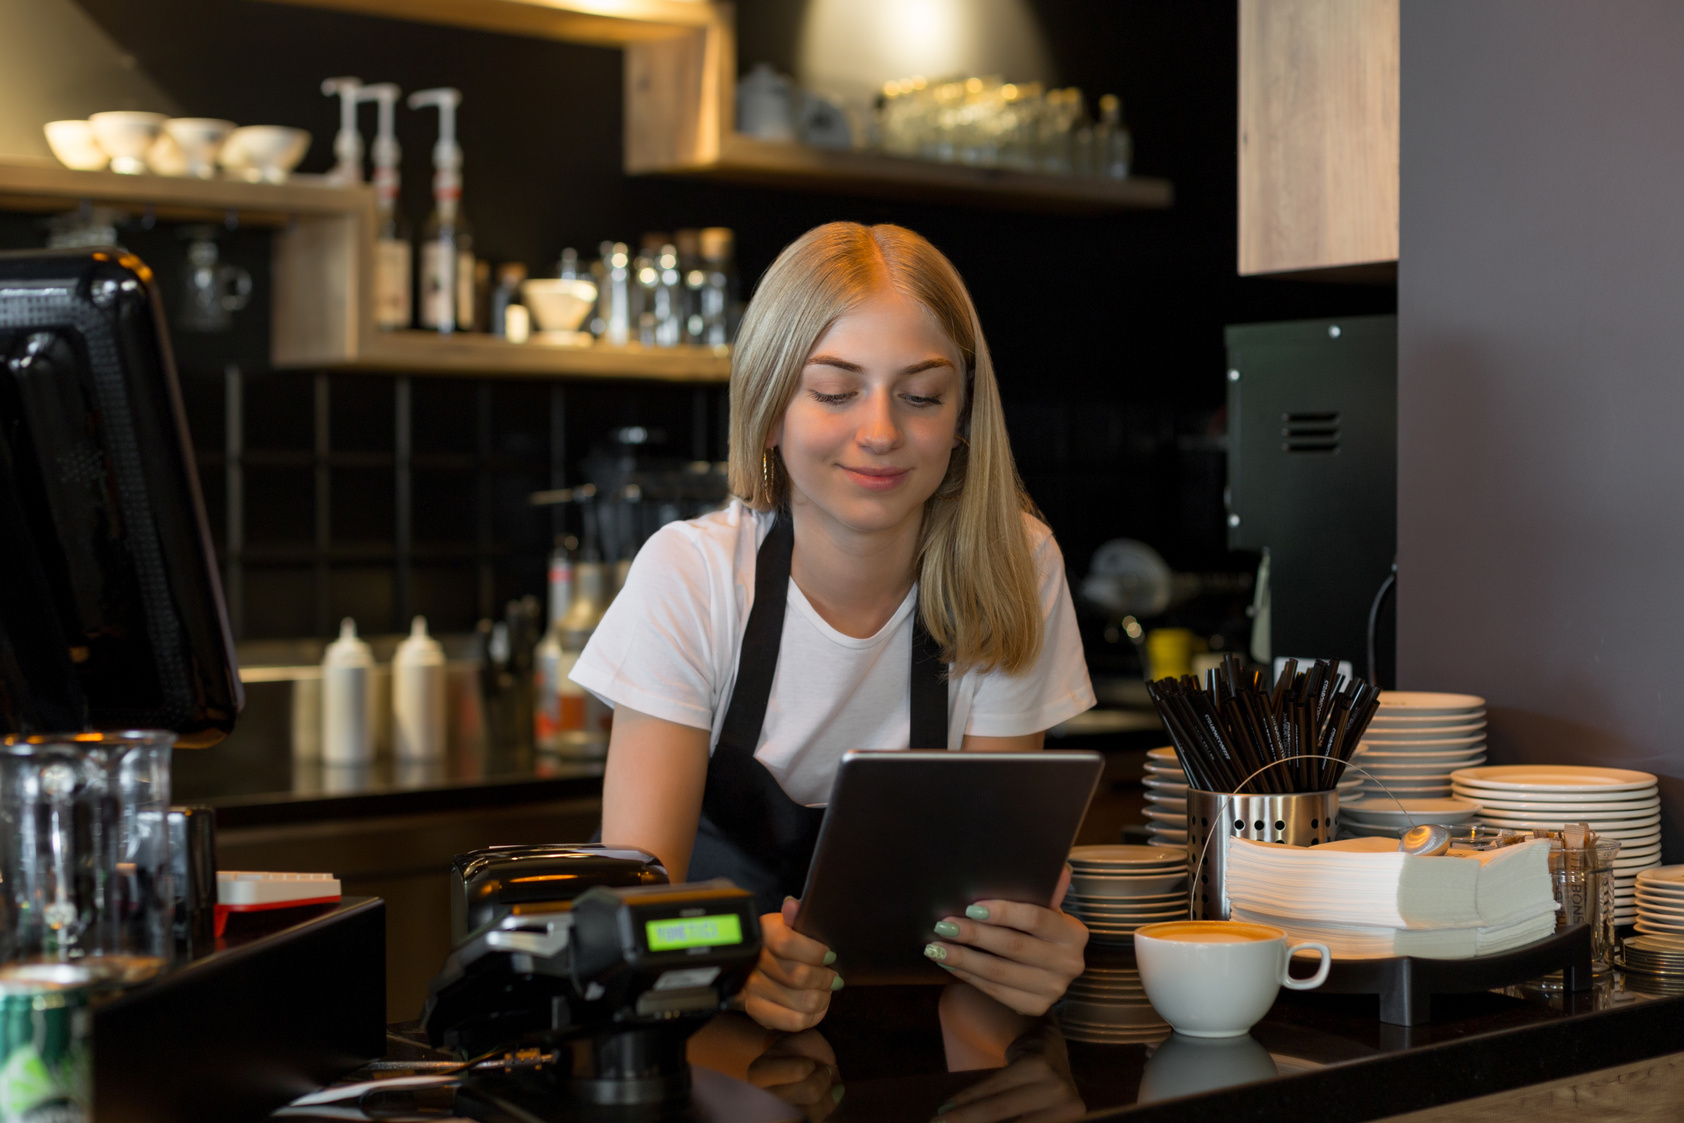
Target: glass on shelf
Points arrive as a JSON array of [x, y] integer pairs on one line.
[[988, 122]]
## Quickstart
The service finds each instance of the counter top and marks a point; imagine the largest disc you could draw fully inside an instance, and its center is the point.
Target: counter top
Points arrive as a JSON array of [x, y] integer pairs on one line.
[[1323, 1057], [263, 788]]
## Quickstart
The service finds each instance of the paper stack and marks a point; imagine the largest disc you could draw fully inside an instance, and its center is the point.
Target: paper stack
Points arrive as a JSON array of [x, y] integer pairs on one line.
[[1364, 899]]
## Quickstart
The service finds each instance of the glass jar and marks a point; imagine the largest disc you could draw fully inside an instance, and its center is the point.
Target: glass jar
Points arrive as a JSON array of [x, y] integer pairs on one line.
[[85, 853]]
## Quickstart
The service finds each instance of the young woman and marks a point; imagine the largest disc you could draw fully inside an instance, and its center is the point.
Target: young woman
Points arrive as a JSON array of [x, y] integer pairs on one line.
[[880, 538]]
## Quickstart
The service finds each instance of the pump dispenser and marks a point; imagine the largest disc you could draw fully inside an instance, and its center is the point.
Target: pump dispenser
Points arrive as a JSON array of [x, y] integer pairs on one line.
[[347, 683], [348, 144], [418, 715], [447, 258], [392, 304]]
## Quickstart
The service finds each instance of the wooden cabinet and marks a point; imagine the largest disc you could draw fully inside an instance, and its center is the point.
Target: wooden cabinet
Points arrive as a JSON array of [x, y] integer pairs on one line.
[[1318, 115]]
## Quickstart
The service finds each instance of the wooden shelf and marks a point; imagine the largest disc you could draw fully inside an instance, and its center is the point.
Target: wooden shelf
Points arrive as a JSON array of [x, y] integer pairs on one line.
[[745, 160], [44, 186], [469, 353], [603, 23], [679, 90]]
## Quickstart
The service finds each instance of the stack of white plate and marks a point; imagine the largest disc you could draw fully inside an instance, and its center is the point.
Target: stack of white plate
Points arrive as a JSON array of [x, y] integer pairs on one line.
[[1660, 904], [1116, 889], [1380, 817], [1166, 797], [1107, 1005], [1417, 740], [1617, 803]]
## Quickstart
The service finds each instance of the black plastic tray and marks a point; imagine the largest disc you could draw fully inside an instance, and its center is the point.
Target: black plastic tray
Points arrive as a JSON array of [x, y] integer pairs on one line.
[[1406, 984]]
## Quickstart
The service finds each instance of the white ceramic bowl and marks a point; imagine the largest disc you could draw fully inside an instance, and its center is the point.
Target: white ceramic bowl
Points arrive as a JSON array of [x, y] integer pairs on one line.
[[127, 136], [74, 144], [198, 140], [558, 304], [263, 153]]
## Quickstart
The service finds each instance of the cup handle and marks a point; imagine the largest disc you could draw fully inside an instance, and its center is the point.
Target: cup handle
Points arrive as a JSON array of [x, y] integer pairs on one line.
[[1313, 981]]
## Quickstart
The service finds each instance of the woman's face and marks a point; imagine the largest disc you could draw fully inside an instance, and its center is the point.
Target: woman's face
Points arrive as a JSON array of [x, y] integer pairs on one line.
[[867, 437]]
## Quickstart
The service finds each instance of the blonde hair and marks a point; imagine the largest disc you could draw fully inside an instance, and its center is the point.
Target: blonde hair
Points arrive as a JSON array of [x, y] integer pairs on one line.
[[978, 592]]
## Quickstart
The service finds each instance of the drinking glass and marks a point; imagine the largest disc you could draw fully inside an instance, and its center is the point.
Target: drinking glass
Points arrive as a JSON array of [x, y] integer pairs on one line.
[[85, 851]]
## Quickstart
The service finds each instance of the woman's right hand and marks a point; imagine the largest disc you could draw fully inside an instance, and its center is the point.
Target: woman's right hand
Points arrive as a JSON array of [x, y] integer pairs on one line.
[[791, 986]]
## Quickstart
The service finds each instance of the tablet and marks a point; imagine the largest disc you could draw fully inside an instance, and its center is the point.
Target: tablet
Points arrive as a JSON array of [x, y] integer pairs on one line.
[[910, 837]]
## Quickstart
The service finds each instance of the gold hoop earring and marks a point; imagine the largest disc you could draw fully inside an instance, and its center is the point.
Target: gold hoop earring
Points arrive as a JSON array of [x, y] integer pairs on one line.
[[766, 473]]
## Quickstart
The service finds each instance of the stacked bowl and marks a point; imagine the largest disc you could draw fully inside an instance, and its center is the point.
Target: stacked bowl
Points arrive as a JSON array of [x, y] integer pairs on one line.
[[1416, 741], [1617, 803], [1116, 889], [1107, 1005]]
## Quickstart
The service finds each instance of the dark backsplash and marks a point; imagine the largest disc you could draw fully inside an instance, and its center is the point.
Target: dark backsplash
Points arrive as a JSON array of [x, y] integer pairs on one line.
[[1106, 331]]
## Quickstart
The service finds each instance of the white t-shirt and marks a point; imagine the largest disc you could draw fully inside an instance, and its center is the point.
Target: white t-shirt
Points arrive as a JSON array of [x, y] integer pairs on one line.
[[670, 643]]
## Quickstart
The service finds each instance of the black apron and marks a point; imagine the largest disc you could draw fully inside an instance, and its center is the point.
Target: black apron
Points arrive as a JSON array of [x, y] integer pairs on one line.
[[750, 831]]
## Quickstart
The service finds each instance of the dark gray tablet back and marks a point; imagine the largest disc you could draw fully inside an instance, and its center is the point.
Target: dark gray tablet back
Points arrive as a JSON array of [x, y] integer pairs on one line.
[[912, 837]]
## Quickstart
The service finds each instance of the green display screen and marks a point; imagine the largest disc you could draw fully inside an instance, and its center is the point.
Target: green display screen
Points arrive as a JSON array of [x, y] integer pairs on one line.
[[694, 932]]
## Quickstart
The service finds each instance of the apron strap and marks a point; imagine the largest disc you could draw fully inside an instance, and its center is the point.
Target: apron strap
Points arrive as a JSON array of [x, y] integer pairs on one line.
[[750, 830]]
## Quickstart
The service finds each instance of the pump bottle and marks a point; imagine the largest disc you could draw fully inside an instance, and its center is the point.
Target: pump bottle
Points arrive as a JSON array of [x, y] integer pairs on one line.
[[447, 256], [393, 306], [348, 142]]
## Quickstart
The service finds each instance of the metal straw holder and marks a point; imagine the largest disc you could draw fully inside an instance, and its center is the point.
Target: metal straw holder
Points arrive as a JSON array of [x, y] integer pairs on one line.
[[1297, 819]]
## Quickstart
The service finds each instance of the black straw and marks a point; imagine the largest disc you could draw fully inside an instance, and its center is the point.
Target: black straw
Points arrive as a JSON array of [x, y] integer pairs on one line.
[[1231, 725]]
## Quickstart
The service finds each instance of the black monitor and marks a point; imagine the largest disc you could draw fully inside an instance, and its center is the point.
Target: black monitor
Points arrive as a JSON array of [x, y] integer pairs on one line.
[[111, 613]]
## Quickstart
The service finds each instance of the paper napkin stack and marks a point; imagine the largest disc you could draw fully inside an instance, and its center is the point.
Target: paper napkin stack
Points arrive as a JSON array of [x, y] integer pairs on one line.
[[1364, 899]]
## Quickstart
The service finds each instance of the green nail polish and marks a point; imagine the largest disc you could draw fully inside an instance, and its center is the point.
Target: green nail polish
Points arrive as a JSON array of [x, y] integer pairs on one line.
[[836, 1094], [947, 928], [935, 952], [829, 958], [836, 983], [976, 912], [947, 1107]]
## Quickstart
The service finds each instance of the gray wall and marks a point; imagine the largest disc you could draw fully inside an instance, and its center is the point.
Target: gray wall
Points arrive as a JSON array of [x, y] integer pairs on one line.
[[1540, 382]]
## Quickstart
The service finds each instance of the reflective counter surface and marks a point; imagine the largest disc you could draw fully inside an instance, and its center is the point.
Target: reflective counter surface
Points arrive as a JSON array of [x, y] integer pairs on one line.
[[891, 1054]]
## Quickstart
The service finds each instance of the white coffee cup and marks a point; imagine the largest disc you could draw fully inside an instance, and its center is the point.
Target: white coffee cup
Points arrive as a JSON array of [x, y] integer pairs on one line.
[[1217, 978]]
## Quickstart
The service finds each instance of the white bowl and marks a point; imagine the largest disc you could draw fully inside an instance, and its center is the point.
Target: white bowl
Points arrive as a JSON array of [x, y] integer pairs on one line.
[[198, 140], [558, 304], [74, 144], [127, 136], [263, 153]]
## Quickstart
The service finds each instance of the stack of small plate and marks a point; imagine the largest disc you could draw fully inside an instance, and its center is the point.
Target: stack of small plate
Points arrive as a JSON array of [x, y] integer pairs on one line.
[[1107, 1005], [1380, 817], [1116, 889], [1417, 740], [1166, 798], [1617, 803]]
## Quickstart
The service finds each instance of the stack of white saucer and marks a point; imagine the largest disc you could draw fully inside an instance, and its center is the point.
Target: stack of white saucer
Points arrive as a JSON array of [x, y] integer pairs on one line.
[[1416, 741], [1166, 797], [1107, 1004], [1116, 889], [1660, 905], [1616, 802]]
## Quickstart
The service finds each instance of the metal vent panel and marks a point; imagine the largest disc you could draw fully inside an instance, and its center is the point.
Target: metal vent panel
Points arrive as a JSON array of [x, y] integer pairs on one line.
[[1310, 433]]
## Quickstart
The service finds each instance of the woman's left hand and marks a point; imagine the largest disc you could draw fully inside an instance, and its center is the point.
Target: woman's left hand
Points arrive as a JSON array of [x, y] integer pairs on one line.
[[1023, 956]]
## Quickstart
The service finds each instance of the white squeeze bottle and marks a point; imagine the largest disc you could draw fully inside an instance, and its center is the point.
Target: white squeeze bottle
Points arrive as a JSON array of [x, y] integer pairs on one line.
[[347, 717], [418, 720]]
